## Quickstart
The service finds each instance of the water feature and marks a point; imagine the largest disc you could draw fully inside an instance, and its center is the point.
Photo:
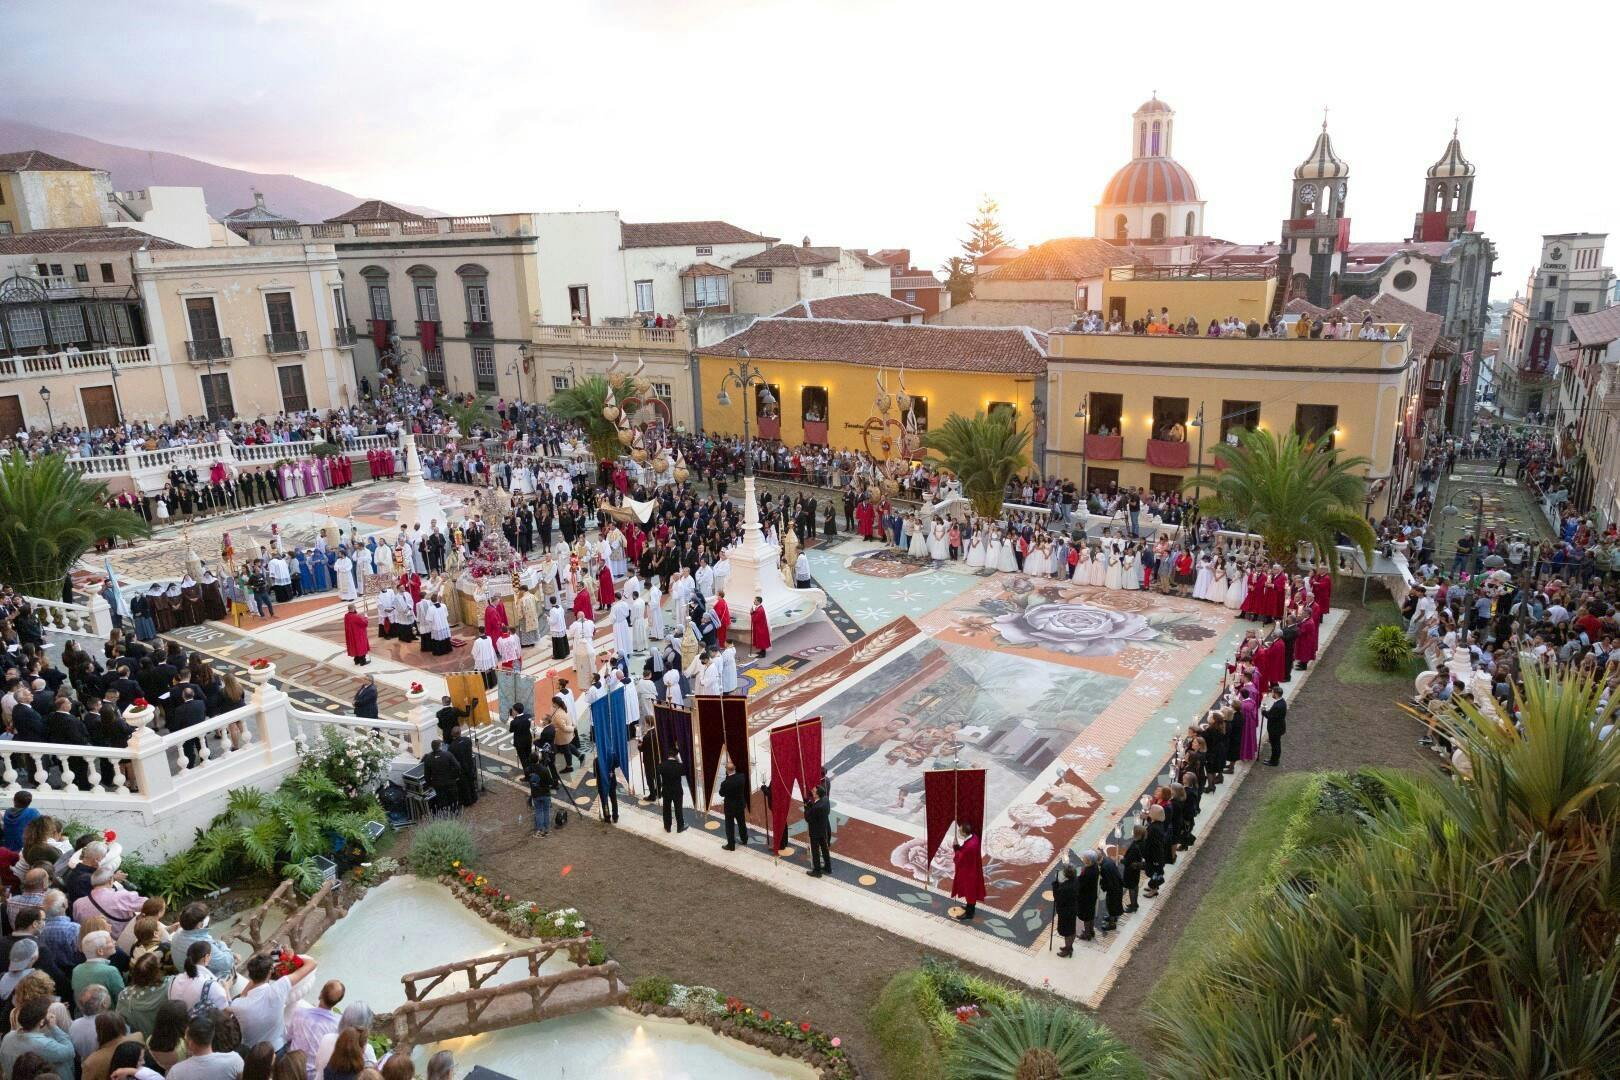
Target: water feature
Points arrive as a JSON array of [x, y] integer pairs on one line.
[[409, 924]]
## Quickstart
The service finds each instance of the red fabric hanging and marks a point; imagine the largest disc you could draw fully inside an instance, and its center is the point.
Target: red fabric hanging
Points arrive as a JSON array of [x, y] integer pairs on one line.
[[711, 722], [379, 333], [949, 796], [734, 712], [795, 756], [429, 332]]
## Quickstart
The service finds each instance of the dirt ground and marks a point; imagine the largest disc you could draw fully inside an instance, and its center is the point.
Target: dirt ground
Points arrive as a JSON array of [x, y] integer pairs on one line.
[[663, 912], [1331, 725]]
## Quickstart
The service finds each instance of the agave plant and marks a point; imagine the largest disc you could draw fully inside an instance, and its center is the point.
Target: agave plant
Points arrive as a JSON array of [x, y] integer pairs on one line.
[[1289, 491], [983, 452], [1470, 928], [50, 515], [1037, 1041]]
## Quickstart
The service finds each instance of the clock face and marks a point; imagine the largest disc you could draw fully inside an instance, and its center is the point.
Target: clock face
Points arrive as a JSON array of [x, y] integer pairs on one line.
[[1307, 193], [1342, 190]]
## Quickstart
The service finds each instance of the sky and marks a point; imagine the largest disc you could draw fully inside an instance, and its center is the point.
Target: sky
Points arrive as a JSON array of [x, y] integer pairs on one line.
[[861, 123]]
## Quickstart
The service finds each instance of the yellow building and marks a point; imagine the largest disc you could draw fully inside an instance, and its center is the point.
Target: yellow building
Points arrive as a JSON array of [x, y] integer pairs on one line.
[[42, 191], [1122, 408], [824, 374], [1205, 293]]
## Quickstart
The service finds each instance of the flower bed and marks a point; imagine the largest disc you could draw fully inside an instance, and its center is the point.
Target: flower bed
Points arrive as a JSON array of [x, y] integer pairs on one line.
[[736, 1019], [516, 916]]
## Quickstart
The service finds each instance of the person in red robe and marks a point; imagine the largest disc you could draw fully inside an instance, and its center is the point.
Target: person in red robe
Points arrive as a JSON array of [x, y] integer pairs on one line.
[[604, 585], [412, 583], [1305, 644], [722, 619], [1256, 602], [355, 638], [495, 621], [582, 604], [759, 627], [1279, 592], [967, 873], [1322, 588]]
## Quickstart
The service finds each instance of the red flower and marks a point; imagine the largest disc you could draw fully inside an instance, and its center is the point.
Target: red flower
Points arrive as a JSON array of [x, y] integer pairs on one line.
[[765, 1015], [416, 688], [140, 703], [805, 1027], [109, 836]]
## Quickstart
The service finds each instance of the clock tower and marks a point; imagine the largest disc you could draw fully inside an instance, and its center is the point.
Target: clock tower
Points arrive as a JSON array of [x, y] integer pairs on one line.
[[1316, 232], [1448, 196]]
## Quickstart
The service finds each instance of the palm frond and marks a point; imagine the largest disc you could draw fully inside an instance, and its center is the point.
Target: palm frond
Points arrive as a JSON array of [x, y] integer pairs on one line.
[[984, 452], [50, 515]]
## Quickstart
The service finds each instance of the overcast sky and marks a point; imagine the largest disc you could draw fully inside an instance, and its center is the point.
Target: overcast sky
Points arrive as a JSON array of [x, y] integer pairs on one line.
[[865, 123]]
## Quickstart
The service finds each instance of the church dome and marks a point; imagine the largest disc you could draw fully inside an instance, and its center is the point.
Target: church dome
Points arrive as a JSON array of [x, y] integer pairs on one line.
[[1323, 163], [1452, 163], [1150, 180]]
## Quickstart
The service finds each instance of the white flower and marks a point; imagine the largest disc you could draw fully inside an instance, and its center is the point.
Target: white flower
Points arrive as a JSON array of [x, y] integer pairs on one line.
[[1030, 815], [1075, 629], [1011, 846]]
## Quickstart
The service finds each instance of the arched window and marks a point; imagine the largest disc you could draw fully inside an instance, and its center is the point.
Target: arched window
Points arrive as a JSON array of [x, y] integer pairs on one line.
[[1156, 229], [1191, 223], [1120, 228], [1300, 285], [1155, 138], [1141, 141], [1439, 197]]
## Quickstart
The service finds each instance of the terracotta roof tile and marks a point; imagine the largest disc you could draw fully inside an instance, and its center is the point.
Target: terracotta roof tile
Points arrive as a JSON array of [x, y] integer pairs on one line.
[[915, 280], [705, 269], [860, 307], [1001, 350], [686, 234], [374, 210], [92, 238], [1596, 327], [38, 161], [790, 255], [1070, 258]]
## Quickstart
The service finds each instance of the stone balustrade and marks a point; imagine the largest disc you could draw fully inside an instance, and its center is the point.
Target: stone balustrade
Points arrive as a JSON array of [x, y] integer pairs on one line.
[[147, 470]]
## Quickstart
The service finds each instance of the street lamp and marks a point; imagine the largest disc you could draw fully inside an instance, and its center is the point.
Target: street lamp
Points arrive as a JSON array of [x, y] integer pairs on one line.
[[517, 368], [1085, 490], [45, 395], [1198, 463], [112, 369], [744, 376]]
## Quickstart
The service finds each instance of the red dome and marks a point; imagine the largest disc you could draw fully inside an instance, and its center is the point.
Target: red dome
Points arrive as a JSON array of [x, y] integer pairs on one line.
[[1150, 180]]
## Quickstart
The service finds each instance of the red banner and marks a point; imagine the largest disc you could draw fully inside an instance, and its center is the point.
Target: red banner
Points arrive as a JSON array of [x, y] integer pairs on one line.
[[1168, 455], [711, 724], [950, 796], [795, 756], [735, 712], [1105, 447], [428, 331], [379, 333]]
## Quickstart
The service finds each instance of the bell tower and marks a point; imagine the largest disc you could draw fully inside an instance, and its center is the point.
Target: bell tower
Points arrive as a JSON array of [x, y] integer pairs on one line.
[[1447, 210], [1316, 232]]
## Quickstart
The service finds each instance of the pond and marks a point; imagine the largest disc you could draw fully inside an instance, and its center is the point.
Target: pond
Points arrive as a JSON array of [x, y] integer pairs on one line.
[[409, 924]]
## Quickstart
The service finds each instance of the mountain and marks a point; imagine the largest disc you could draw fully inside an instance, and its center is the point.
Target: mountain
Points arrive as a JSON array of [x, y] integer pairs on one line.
[[224, 188]]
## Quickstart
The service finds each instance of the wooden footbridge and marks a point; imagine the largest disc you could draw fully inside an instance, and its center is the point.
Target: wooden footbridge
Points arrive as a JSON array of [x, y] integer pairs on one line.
[[483, 1007]]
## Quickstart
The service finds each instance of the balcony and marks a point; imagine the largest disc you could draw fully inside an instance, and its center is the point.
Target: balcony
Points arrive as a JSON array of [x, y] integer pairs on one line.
[[201, 352], [1105, 447], [1166, 454], [481, 330], [285, 341], [67, 363], [672, 338], [344, 336]]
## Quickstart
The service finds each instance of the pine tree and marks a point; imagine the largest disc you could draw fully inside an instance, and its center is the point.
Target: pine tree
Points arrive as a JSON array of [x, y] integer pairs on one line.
[[958, 278], [984, 232]]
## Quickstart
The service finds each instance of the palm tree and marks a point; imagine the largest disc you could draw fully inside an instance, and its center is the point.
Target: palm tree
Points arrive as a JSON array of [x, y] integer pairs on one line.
[[467, 414], [1039, 1041], [1288, 491], [1467, 928], [50, 515], [984, 452], [584, 401]]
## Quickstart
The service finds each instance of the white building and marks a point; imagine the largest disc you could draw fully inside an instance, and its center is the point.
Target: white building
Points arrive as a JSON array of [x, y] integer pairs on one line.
[[784, 274]]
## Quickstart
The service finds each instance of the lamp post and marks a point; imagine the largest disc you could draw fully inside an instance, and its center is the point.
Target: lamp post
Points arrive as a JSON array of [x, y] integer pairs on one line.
[[744, 376], [112, 370], [1085, 489], [517, 368], [1198, 463], [45, 396]]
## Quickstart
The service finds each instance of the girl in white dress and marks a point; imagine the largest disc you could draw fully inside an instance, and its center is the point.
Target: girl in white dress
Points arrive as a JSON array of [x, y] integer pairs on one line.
[[939, 545], [1111, 578], [161, 510], [918, 539], [975, 551], [1082, 569], [1130, 571], [1035, 561], [1099, 565], [1007, 561], [992, 552], [1217, 584], [1206, 577], [1237, 585]]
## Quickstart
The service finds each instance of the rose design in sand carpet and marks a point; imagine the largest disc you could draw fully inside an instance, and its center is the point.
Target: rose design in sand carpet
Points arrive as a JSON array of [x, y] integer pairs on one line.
[[1074, 629]]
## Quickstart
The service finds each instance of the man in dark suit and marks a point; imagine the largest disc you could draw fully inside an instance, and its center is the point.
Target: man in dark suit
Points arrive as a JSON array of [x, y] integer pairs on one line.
[[521, 728], [128, 689], [365, 699], [818, 820], [671, 775], [190, 710], [449, 716], [734, 790], [461, 748], [63, 727], [444, 776], [1276, 724], [26, 722]]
